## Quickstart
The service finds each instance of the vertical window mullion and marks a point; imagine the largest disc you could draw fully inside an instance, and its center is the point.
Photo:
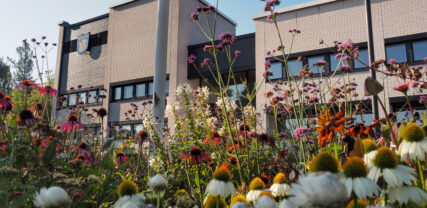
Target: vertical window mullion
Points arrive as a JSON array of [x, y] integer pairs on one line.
[[409, 52]]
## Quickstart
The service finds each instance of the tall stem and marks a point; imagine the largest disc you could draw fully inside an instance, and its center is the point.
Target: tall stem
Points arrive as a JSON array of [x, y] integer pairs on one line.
[[420, 169]]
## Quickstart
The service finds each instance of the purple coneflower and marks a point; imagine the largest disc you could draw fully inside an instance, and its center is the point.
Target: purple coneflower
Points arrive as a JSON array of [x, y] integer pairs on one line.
[[48, 90], [26, 84], [72, 124], [120, 158], [26, 118]]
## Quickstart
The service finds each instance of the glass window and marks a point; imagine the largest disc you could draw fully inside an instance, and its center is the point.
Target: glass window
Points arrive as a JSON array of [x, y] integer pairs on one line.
[[92, 96], [72, 100], [396, 52], [82, 97], [276, 68], [335, 63], [294, 67], [312, 60], [118, 93], [127, 130], [167, 87], [138, 128], [140, 90], [128, 92], [363, 60], [366, 118], [232, 94], [100, 96], [420, 50], [65, 101], [150, 89]]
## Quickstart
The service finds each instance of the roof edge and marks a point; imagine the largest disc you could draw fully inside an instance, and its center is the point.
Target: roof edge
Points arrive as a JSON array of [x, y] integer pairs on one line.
[[220, 13], [103, 16], [294, 8], [121, 3]]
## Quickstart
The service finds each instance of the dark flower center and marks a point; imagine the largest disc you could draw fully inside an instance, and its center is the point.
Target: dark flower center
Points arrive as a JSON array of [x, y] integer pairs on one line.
[[72, 117], [26, 114], [195, 151]]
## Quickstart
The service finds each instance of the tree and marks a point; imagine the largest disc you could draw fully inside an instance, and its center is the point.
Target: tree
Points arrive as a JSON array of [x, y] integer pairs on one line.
[[5, 77], [24, 65]]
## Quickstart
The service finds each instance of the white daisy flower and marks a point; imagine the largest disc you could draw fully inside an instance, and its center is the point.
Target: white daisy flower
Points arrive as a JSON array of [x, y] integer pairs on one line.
[[386, 164], [414, 143], [279, 187], [240, 205], [221, 184], [266, 201], [286, 204], [157, 182], [130, 201], [402, 194], [320, 189], [51, 197], [355, 180], [256, 187], [370, 149]]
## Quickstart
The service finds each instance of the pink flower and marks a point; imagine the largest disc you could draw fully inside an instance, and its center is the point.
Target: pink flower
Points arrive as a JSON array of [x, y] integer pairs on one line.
[[403, 87], [5, 104], [301, 132], [312, 100], [195, 16], [237, 53], [195, 156], [48, 90], [120, 158], [267, 73], [192, 59], [320, 63], [206, 62], [72, 124], [26, 84], [267, 64]]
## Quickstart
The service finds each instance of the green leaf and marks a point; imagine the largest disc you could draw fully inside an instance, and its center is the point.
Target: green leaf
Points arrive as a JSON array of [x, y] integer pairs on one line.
[[107, 144], [49, 153], [107, 161]]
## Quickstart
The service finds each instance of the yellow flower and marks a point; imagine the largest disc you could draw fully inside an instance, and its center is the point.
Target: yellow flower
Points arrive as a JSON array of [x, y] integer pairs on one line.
[[324, 161], [127, 188]]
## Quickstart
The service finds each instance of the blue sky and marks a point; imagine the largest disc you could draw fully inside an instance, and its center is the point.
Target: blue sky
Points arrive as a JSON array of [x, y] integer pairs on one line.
[[26, 19]]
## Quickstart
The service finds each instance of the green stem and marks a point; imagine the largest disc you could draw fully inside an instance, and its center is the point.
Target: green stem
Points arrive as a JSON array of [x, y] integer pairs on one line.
[[158, 199], [420, 169], [336, 149]]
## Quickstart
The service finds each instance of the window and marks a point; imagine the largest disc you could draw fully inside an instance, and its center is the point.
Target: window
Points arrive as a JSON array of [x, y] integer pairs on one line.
[[312, 60], [72, 100], [167, 87], [138, 128], [128, 92], [276, 68], [92, 97], [294, 66], [64, 102], [150, 89], [420, 50], [100, 96], [82, 97], [127, 130], [363, 60], [231, 91], [334, 63], [396, 52], [118, 93], [140, 90]]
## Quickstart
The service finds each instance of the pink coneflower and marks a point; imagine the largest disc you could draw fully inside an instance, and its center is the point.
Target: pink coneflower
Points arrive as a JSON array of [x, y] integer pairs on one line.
[[72, 124], [82, 148], [403, 87], [48, 90], [217, 139], [26, 84], [101, 112], [301, 132], [265, 138], [120, 158], [192, 59], [26, 118], [3, 144], [5, 104], [81, 158], [195, 155]]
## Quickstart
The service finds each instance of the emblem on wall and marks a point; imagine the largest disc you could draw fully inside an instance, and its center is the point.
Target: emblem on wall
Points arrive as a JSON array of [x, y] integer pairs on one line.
[[83, 43]]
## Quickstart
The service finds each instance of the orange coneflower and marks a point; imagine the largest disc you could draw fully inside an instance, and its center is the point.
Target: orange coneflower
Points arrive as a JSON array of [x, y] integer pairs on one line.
[[361, 131], [328, 125]]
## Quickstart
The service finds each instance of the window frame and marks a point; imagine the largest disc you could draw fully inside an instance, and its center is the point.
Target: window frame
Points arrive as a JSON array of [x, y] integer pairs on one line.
[[408, 40], [134, 94]]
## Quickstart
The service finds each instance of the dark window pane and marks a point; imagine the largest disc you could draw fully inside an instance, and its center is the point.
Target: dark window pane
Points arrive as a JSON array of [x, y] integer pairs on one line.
[[118, 93], [100, 96], [128, 92], [312, 60], [420, 50], [92, 96], [150, 88], [363, 59], [140, 90], [276, 68], [65, 102], [72, 100], [82, 97], [167, 87], [335, 64], [294, 67], [396, 52]]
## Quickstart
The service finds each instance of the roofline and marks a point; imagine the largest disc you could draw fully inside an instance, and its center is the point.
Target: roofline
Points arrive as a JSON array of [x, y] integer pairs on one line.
[[294, 8], [238, 37], [202, 1], [103, 16]]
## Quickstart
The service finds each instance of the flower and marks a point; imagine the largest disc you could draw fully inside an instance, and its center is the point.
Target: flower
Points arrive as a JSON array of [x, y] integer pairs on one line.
[[239, 201], [120, 158], [211, 202], [361, 131], [72, 124], [195, 155], [266, 200], [192, 59], [195, 16], [217, 139], [51, 197], [82, 148], [280, 188], [26, 118], [5, 104], [81, 158], [256, 187], [47, 90], [320, 63], [355, 180], [360, 204], [26, 84], [414, 142], [402, 195], [127, 188], [324, 161], [329, 125], [318, 190], [101, 112], [403, 88], [132, 201], [221, 184], [386, 164], [370, 149], [301, 132], [157, 182]]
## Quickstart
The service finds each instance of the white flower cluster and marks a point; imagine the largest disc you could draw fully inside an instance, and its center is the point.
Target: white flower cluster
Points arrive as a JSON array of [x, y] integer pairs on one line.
[[148, 121], [203, 93], [156, 163], [183, 89], [211, 121], [230, 105], [51, 197], [249, 111]]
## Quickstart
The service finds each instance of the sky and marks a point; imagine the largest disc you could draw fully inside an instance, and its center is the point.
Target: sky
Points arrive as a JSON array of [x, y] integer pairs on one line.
[[26, 19]]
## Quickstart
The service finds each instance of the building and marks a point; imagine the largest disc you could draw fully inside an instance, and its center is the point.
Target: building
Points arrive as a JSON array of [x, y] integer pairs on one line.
[[121, 50]]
